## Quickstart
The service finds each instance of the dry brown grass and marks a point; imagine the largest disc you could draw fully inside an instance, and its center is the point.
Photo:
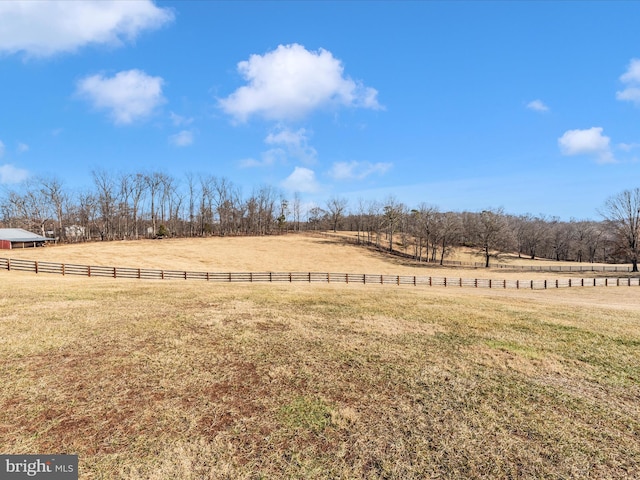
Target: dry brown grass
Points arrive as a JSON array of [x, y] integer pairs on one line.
[[470, 255], [164, 380], [287, 253]]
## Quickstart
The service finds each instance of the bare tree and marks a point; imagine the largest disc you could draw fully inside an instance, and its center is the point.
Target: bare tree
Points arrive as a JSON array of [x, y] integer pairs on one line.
[[154, 182], [86, 213], [336, 208], [490, 232], [393, 213], [124, 198], [622, 211], [106, 187], [316, 217], [587, 239], [560, 237], [447, 231], [423, 228], [53, 190], [530, 233], [138, 189], [297, 211]]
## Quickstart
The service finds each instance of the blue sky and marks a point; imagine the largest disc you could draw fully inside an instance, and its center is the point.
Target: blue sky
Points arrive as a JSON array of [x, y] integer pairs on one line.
[[529, 106]]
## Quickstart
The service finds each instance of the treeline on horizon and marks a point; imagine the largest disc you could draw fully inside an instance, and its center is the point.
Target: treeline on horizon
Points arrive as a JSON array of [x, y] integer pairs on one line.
[[149, 205]]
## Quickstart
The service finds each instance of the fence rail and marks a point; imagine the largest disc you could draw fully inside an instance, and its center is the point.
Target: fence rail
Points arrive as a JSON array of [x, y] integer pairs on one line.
[[306, 277]]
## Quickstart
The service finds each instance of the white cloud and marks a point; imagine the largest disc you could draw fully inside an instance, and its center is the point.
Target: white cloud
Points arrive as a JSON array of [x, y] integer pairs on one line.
[[290, 82], [128, 96], [295, 144], [270, 157], [250, 163], [632, 79], [183, 138], [23, 147], [627, 147], [42, 29], [538, 106], [11, 174], [633, 72], [2, 149], [301, 180], [630, 94], [179, 120], [590, 141], [357, 170]]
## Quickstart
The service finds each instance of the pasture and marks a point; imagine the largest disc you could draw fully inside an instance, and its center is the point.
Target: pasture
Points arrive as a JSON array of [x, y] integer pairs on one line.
[[161, 380]]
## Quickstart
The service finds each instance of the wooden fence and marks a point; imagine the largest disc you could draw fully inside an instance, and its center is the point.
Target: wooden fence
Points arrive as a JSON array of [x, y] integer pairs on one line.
[[306, 277]]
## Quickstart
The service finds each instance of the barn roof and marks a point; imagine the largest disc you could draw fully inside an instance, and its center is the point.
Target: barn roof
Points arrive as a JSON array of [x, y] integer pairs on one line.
[[20, 235]]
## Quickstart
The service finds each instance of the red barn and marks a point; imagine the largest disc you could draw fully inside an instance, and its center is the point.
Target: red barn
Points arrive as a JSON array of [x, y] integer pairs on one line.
[[19, 238]]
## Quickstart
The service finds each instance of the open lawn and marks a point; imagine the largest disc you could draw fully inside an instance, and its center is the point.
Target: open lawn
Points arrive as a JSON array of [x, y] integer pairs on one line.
[[190, 380]]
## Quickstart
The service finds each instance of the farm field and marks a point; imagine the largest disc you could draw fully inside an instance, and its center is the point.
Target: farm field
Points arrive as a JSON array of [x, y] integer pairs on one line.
[[287, 253], [163, 380]]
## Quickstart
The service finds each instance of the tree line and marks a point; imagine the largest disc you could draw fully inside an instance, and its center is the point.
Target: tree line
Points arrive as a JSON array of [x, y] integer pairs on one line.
[[120, 206]]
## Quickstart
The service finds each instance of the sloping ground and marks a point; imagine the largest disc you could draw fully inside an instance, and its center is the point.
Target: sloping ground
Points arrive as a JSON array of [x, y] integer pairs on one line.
[[468, 255], [287, 253], [153, 380]]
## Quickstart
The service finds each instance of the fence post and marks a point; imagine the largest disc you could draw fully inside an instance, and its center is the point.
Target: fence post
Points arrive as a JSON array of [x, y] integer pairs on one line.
[[445, 281], [475, 282], [545, 284], [251, 277], [207, 276], [36, 266], [531, 284], [88, 270], [430, 282], [114, 271], [414, 280], [557, 283], [505, 283], [381, 279], [162, 274], [270, 277], [517, 284], [63, 269], [489, 283], [138, 274], [185, 275], [594, 282]]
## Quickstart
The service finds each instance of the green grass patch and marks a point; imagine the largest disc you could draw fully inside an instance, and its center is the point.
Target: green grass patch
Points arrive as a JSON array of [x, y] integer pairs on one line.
[[306, 413]]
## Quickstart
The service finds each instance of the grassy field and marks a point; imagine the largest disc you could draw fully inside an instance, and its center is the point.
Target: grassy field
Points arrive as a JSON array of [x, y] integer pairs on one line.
[[167, 380], [287, 253]]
